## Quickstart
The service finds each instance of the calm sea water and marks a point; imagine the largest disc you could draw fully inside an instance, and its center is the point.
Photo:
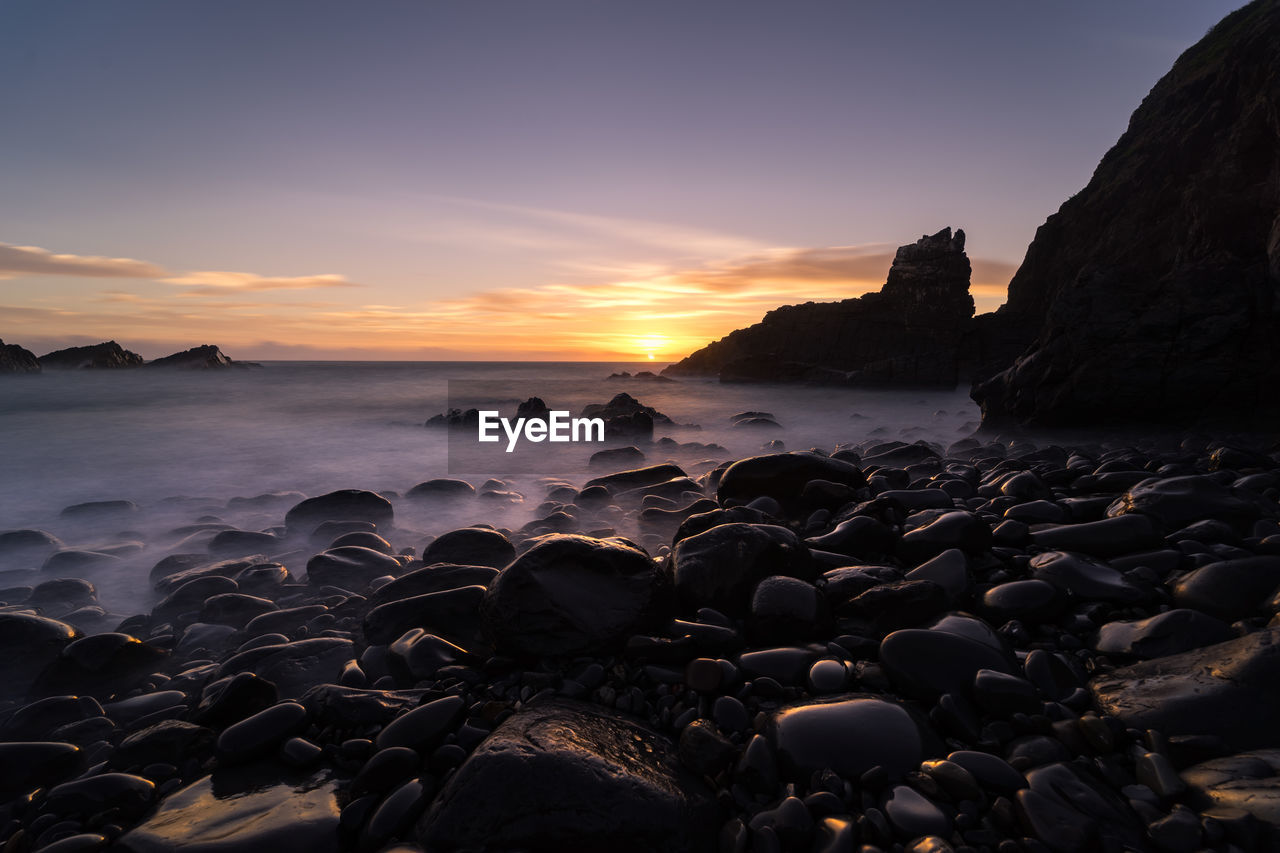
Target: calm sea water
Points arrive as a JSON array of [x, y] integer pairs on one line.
[[312, 427]]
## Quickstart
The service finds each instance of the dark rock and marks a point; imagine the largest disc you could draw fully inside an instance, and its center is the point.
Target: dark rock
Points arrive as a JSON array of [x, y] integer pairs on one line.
[[206, 357], [720, 567], [168, 741], [1084, 577], [26, 548], [622, 481], [243, 808], [927, 663], [344, 505], [294, 667], [1111, 537], [897, 605], [913, 815], [908, 333], [452, 613], [571, 595], [98, 356], [861, 536], [28, 644], [350, 567], [424, 727], [98, 511], [959, 529], [624, 406], [100, 665], [1175, 502], [418, 655], [1148, 297], [783, 477], [1168, 633], [470, 546], [385, 770], [15, 359], [189, 598], [259, 735], [704, 750], [30, 765], [991, 771], [616, 457], [1032, 600], [89, 795], [240, 543], [1070, 811], [441, 489], [850, 735], [234, 609], [569, 776], [435, 578], [336, 705], [785, 609], [1229, 690], [1230, 589], [1247, 782]]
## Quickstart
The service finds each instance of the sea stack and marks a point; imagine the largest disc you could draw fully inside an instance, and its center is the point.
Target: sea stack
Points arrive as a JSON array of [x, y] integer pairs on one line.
[[909, 333], [106, 355], [15, 359]]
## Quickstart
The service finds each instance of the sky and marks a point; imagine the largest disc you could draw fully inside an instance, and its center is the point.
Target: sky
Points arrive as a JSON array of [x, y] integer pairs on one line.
[[531, 179]]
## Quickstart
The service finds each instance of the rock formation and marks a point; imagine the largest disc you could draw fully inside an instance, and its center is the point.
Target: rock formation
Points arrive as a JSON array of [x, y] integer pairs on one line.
[[207, 357], [107, 354], [15, 359], [908, 333], [1153, 294]]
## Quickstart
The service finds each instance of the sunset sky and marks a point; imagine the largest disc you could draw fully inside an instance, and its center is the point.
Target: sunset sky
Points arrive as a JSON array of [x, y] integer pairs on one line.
[[545, 179]]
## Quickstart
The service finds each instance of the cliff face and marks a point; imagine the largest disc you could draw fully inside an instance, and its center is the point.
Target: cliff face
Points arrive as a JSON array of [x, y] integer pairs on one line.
[[1153, 294], [15, 359], [908, 333], [108, 354]]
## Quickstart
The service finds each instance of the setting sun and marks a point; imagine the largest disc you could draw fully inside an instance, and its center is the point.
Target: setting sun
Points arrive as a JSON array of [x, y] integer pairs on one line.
[[651, 345]]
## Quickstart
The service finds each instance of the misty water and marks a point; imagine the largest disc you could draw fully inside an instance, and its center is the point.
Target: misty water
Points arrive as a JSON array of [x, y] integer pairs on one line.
[[181, 444]]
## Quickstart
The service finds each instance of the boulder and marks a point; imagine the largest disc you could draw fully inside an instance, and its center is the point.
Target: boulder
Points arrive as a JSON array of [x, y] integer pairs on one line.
[[570, 776]]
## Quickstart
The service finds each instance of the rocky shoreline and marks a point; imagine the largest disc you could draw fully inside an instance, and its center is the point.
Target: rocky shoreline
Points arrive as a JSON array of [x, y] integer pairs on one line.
[[994, 646], [109, 355]]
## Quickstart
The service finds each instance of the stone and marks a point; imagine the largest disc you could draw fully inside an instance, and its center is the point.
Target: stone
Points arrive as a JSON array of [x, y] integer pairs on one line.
[[1110, 537], [785, 609], [234, 609], [720, 567], [470, 546], [417, 655], [259, 735], [1230, 589], [925, 664], [849, 735], [949, 570], [1175, 502], [1229, 690], [441, 489], [861, 536], [1168, 633], [343, 505], [1084, 578], [28, 644], [1032, 600], [565, 775], [783, 477], [437, 578], [294, 667], [350, 567], [959, 529], [243, 808], [89, 795], [424, 727], [30, 765], [451, 613], [1247, 781], [1070, 811], [26, 548], [913, 815], [570, 595], [168, 741]]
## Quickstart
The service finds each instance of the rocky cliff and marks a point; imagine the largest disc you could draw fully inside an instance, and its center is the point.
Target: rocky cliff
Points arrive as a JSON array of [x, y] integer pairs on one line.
[[910, 332], [207, 357], [1153, 294], [108, 354], [15, 359]]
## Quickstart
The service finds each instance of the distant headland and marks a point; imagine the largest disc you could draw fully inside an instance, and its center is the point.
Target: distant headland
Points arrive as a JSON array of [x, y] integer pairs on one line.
[[109, 355]]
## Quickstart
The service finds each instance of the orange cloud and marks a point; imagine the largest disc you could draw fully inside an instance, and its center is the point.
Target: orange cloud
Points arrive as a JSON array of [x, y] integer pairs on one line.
[[32, 260]]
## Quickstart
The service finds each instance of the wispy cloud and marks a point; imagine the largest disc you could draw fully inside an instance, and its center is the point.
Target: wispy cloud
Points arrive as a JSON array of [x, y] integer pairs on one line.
[[32, 260], [211, 282], [19, 261]]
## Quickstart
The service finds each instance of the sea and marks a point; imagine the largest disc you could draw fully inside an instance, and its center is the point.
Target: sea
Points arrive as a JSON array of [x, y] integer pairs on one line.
[[181, 444]]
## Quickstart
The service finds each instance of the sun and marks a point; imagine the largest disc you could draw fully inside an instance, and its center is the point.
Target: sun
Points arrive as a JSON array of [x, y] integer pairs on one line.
[[651, 345]]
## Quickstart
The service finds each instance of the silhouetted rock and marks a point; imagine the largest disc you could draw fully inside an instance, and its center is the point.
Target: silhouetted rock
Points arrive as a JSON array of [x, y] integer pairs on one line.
[[207, 357], [1150, 296], [15, 359], [107, 354], [908, 333]]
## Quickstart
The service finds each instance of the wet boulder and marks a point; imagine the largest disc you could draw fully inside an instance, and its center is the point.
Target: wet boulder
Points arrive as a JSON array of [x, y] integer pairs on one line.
[[783, 477], [342, 505], [470, 546], [720, 567], [571, 595], [570, 776]]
